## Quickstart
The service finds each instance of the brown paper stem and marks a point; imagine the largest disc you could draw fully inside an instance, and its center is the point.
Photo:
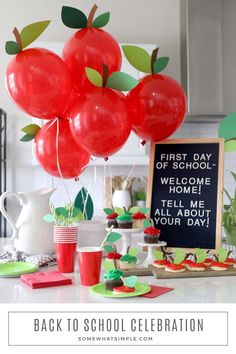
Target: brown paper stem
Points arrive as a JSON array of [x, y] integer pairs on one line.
[[17, 37], [104, 75], [153, 59], [115, 263], [91, 16]]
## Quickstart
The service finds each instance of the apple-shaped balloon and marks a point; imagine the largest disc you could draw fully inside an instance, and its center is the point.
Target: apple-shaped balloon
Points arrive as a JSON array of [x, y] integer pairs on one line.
[[103, 124], [37, 79], [57, 152], [88, 47], [158, 102]]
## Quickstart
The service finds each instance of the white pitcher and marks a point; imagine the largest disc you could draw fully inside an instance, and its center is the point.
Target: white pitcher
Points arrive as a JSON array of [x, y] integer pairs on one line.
[[31, 234]]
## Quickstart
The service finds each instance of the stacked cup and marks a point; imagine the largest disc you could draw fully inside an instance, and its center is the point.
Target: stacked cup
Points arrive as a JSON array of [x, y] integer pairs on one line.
[[65, 239]]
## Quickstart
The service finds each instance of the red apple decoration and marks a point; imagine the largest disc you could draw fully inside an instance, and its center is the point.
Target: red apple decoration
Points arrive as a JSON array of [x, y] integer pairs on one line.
[[158, 102], [90, 46], [103, 124], [69, 155], [37, 79]]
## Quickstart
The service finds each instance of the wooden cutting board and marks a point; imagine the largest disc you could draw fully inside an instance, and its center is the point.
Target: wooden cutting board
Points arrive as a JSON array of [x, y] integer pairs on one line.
[[160, 273]]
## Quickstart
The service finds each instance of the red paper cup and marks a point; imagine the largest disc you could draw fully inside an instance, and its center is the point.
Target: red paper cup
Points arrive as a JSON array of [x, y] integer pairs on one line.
[[59, 239], [65, 253], [65, 234], [90, 259]]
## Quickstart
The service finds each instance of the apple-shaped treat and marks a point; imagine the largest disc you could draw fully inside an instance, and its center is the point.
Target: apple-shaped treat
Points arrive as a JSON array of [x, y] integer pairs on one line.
[[123, 290], [160, 259], [175, 268], [57, 151], [220, 264], [90, 46], [161, 263], [158, 102], [197, 267], [230, 261], [103, 124], [37, 79]]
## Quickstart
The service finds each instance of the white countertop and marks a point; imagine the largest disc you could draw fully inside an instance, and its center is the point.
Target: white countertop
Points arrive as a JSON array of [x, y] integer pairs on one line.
[[190, 290]]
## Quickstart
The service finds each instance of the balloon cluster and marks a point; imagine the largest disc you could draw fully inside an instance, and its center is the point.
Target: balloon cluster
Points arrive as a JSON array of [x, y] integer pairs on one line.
[[81, 94]]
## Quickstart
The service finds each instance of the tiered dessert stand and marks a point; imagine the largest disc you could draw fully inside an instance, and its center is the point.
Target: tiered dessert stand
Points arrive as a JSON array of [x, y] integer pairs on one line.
[[150, 258]]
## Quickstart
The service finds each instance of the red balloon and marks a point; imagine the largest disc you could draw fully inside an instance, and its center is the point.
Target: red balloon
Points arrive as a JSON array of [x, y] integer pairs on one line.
[[90, 47], [39, 82], [75, 104], [103, 125], [72, 157], [158, 106]]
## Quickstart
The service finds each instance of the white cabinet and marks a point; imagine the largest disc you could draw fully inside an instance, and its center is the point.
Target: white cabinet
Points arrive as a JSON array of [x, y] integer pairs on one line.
[[132, 152]]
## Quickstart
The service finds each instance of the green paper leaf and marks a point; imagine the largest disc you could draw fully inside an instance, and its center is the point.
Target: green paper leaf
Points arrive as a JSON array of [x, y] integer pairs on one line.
[[73, 18], [223, 254], [121, 81], [12, 47], [133, 251], [179, 256], [138, 57], [227, 127], [27, 137], [94, 77], [76, 212], [119, 211], [31, 129], [159, 256], [101, 20], [201, 255], [79, 217], [113, 237], [134, 210], [108, 211], [160, 64], [146, 223], [108, 266], [230, 145], [80, 200], [108, 248], [144, 210], [48, 218], [62, 212], [131, 281], [31, 32]]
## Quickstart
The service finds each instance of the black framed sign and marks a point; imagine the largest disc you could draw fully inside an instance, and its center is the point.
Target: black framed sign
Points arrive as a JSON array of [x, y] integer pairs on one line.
[[185, 189]]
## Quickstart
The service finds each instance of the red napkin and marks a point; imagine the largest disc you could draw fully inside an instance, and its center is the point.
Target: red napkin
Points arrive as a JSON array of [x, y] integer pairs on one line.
[[45, 279], [157, 291]]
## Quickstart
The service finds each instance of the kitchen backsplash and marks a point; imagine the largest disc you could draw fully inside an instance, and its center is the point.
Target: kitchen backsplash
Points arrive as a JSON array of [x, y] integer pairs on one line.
[[93, 177]]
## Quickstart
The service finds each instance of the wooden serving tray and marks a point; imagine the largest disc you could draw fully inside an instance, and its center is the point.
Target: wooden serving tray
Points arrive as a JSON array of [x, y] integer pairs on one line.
[[160, 273], [137, 271]]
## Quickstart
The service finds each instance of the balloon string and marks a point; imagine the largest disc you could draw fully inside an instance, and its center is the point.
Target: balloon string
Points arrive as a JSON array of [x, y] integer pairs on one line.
[[104, 179], [57, 160], [110, 180]]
